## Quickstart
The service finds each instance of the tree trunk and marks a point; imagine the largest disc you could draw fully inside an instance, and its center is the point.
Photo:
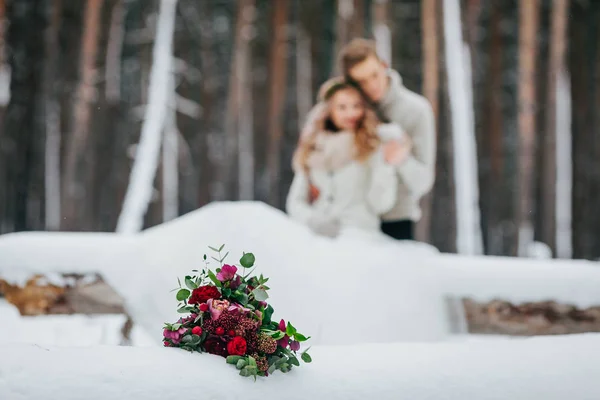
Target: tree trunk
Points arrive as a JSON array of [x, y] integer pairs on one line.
[[431, 75], [443, 216], [584, 63], [277, 93], [141, 184], [528, 25], [21, 140], [78, 166], [52, 120], [235, 98], [549, 151]]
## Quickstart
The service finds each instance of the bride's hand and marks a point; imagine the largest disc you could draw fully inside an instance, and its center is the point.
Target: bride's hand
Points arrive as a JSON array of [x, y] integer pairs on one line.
[[397, 152]]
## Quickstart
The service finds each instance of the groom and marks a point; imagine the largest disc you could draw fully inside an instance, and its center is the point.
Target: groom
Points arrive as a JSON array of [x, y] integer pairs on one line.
[[413, 155]]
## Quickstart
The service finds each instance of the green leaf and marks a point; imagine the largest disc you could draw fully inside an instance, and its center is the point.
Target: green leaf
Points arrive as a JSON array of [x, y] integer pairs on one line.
[[290, 330], [226, 292], [183, 294], [294, 361], [187, 339], [260, 294], [278, 335], [252, 362], [213, 249], [224, 257], [306, 357], [300, 337], [204, 257], [175, 327], [233, 359], [213, 278], [182, 310], [268, 314], [178, 281], [221, 248], [247, 260], [245, 372], [190, 283], [241, 364], [272, 369]]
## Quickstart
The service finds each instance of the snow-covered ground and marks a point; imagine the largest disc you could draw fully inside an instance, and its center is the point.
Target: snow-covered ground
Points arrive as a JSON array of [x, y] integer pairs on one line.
[[346, 293], [537, 368], [308, 273]]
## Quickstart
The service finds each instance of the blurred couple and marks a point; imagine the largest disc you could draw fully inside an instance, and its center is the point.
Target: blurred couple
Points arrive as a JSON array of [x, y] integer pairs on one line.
[[366, 154]]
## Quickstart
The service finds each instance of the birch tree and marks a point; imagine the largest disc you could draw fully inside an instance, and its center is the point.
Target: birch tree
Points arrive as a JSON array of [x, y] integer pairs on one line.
[[139, 190], [52, 181]]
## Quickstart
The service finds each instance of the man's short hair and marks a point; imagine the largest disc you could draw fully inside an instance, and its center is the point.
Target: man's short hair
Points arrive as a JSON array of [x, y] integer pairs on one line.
[[355, 52]]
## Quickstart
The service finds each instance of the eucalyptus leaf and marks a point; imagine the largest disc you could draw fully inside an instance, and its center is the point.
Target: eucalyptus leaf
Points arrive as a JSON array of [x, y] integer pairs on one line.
[[233, 359], [183, 294], [247, 260], [241, 364], [306, 357], [190, 283], [260, 294], [294, 361]]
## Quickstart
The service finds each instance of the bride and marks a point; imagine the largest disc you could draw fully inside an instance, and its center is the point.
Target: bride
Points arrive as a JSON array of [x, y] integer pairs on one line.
[[342, 183]]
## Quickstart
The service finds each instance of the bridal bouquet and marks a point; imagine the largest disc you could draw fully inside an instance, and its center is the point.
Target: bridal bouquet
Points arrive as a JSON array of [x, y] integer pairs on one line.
[[226, 314]]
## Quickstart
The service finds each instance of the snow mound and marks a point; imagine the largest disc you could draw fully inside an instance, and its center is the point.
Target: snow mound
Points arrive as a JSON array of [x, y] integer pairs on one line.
[[350, 276], [549, 368], [520, 280]]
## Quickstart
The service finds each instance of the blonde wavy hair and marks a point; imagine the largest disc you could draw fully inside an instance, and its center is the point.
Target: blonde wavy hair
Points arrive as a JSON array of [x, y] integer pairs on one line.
[[366, 139]]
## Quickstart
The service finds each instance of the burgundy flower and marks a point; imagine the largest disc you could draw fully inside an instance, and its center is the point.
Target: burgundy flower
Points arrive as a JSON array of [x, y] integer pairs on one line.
[[294, 345], [216, 346], [204, 293]]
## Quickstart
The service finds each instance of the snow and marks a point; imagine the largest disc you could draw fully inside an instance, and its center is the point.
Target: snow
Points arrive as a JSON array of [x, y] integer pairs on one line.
[[411, 280], [144, 268], [458, 62], [549, 368], [519, 280], [66, 330], [141, 184]]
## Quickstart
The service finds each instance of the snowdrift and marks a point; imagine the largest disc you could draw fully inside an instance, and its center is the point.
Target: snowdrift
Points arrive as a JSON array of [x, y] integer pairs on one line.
[[555, 368], [352, 276], [399, 285], [519, 280]]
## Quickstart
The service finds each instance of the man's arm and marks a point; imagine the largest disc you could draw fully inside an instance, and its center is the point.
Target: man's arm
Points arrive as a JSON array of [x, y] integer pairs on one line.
[[417, 169]]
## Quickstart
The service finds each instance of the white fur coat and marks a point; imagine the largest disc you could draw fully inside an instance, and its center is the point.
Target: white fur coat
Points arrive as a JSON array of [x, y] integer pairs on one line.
[[354, 192]]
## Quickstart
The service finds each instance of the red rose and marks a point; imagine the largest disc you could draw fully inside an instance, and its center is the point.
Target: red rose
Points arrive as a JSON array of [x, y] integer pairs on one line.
[[197, 330], [203, 307], [220, 331], [203, 293], [237, 346]]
